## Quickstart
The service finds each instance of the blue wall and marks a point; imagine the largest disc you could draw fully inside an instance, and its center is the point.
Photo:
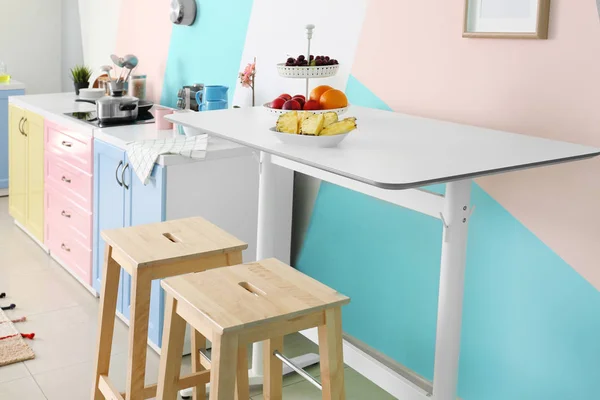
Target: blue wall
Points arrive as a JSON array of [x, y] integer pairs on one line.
[[531, 327], [210, 50]]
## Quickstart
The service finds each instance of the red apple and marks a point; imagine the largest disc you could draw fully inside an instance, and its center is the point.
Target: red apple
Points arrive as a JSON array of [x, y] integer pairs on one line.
[[292, 105], [301, 96], [285, 96], [311, 105], [299, 100], [278, 103]]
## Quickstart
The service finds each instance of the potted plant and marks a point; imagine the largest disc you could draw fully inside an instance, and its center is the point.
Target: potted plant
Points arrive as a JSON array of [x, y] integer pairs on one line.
[[81, 76]]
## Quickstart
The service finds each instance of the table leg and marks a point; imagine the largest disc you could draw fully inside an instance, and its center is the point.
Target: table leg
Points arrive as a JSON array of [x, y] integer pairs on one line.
[[265, 248], [457, 211]]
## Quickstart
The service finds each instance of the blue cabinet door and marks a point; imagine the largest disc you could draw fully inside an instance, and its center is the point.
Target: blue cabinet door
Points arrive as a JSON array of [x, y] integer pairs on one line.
[[109, 204], [145, 204], [4, 134]]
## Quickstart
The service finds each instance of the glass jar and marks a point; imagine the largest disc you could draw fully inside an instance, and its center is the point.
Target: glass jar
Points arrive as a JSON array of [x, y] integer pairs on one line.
[[4, 77], [137, 86]]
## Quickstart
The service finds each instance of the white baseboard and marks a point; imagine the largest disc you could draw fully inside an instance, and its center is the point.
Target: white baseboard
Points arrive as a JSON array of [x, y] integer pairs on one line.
[[17, 223], [78, 279]]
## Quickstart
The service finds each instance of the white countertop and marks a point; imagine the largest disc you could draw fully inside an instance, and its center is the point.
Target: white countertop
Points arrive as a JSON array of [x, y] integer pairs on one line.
[[12, 85], [54, 106], [121, 136], [393, 150]]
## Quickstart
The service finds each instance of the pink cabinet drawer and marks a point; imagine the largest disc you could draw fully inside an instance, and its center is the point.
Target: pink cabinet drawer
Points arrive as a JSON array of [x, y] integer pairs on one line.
[[66, 217], [72, 147], [70, 250], [70, 181]]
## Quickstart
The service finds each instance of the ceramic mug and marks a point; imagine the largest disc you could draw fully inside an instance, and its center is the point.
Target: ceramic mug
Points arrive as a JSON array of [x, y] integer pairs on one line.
[[214, 105], [213, 93], [159, 116]]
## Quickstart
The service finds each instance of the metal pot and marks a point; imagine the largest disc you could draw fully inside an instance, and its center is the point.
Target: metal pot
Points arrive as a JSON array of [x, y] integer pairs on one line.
[[117, 108]]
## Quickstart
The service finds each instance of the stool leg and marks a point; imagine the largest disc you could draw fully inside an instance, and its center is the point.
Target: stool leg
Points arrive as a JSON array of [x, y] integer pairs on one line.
[[331, 354], [106, 318], [223, 366], [273, 370], [242, 382], [172, 347], [138, 334], [198, 343]]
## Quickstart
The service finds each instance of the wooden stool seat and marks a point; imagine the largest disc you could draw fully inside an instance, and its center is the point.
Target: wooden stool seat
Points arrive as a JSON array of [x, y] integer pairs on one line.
[[238, 305], [148, 252], [171, 241]]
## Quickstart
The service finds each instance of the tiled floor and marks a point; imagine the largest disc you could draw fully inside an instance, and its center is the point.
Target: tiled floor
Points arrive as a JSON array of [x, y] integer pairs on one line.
[[63, 316]]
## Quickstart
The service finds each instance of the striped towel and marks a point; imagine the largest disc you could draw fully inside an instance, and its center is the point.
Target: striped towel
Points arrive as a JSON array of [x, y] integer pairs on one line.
[[143, 155]]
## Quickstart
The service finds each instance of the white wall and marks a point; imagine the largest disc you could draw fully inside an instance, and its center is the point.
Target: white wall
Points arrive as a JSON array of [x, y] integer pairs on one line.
[[99, 27], [72, 50], [271, 38], [30, 43]]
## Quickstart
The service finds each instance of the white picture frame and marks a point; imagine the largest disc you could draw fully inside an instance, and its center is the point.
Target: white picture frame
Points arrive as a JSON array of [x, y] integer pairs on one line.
[[506, 19]]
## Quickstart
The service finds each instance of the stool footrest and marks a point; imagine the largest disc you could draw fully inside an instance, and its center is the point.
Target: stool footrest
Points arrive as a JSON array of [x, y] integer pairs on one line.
[[192, 380], [311, 379]]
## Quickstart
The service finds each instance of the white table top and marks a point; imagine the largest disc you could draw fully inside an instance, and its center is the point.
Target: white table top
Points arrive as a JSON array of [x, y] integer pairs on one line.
[[396, 151], [12, 85]]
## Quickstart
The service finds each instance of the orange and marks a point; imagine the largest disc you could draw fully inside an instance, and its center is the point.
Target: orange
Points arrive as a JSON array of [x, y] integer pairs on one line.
[[333, 98], [318, 91]]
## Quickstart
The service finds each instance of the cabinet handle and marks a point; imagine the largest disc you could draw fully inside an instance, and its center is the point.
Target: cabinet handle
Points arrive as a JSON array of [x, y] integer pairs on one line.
[[20, 126], [67, 144], [65, 179], [117, 173], [23, 130], [123, 176], [65, 248], [65, 214]]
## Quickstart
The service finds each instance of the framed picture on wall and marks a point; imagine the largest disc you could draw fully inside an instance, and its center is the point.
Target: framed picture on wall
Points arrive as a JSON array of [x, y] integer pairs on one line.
[[516, 19]]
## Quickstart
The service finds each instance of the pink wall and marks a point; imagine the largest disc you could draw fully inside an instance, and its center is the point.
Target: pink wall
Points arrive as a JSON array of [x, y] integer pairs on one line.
[[145, 30], [548, 88]]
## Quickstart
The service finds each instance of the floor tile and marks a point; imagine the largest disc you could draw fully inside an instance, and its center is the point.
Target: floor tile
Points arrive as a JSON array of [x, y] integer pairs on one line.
[[24, 388], [78, 378], [357, 388], [13, 371], [66, 337]]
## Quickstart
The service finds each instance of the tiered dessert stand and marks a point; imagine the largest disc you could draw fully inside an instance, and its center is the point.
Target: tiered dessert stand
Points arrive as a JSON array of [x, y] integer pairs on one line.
[[307, 73]]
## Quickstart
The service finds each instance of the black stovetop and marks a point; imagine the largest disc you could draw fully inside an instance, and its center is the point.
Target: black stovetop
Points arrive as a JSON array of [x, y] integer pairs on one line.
[[91, 118]]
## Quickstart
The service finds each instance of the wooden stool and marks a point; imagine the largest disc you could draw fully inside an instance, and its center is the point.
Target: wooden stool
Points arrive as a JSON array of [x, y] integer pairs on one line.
[[148, 252], [243, 304]]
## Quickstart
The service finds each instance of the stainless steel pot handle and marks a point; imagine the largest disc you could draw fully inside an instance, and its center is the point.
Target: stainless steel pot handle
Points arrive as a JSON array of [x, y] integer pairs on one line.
[[117, 173], [128, 107], [123, 176]]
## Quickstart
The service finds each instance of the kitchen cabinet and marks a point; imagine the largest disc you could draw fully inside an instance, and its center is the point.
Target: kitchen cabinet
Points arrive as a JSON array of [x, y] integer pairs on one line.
[[26, 170], [179, 190], [4, 127], [68, 199], [121, 200]]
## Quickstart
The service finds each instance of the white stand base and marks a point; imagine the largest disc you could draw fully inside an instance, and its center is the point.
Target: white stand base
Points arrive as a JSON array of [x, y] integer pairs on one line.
[[303, 361]]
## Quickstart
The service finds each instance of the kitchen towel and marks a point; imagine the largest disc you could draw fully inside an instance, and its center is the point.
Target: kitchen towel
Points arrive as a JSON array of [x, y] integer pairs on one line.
[[143, 155]]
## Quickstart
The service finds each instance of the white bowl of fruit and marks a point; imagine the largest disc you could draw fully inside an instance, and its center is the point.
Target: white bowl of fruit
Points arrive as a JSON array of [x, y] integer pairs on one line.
[[322, 99], [309, 129]]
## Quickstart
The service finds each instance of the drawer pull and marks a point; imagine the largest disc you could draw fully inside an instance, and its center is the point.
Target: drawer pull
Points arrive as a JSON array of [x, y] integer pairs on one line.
[[67, 144], [65, 214], [65, 248], [65, 179]]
